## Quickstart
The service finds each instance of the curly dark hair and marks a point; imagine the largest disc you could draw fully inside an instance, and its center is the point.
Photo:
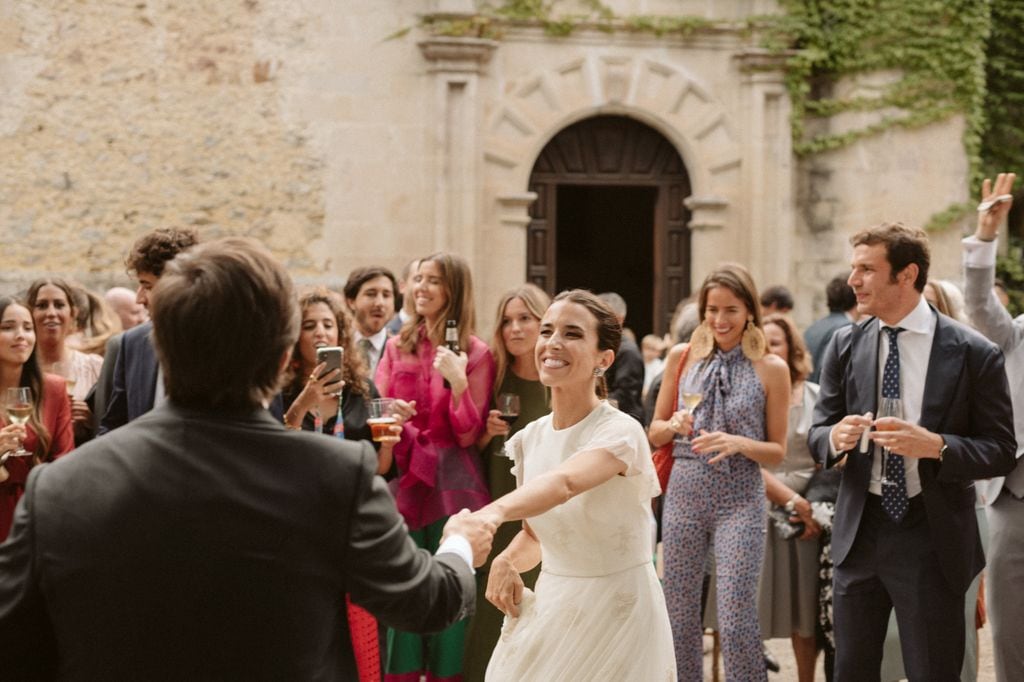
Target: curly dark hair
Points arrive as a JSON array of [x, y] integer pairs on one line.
[[151, 252]]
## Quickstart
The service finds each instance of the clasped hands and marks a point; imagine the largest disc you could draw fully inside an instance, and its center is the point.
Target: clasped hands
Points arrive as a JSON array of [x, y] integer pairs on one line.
[[724, 444], [478, 528], [897, 435]]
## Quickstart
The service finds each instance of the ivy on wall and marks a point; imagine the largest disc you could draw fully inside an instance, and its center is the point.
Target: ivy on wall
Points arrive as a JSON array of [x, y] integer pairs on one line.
[[933, 53]]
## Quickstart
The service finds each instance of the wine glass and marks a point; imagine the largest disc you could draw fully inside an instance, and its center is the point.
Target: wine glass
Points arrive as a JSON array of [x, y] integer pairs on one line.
[[889, 407], [691, 390], [18, 406], [508, 406]]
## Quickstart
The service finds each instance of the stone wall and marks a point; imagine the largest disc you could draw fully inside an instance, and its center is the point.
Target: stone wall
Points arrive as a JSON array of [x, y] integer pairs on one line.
[[122, 116], [323, 128]]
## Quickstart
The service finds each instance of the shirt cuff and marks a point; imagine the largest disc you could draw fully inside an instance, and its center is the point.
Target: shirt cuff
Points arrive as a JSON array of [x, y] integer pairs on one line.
[[460, 547], [832, 452], [979, 254]]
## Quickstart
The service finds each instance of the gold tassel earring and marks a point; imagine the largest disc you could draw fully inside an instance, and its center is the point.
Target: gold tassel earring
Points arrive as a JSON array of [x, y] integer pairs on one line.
[[754, 344], [702, 341]]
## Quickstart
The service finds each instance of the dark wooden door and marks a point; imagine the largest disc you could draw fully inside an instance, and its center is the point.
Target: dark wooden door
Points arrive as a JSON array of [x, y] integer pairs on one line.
[[619, 160]]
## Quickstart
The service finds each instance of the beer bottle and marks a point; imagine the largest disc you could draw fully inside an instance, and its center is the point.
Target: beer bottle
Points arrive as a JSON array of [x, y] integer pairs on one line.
[[451, 339]]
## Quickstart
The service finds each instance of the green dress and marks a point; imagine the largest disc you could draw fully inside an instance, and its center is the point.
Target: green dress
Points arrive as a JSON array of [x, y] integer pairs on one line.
[[485, 626]]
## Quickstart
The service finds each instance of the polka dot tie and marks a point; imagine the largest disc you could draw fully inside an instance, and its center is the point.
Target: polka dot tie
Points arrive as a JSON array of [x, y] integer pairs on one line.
[[894, 487]]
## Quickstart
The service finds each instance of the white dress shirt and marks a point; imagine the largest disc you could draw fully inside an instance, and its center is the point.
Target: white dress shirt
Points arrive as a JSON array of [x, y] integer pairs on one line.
[[915, 345]]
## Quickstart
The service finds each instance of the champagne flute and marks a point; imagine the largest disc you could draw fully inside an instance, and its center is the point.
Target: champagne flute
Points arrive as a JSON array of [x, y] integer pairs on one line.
[[18, 406], [691, 390], [889, 407], [508, 406]]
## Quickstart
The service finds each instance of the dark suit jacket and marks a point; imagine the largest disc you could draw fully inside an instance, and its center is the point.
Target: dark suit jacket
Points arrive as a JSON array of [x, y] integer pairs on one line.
[[99, 395], [817, 337], [626, 379], [134, 381], [966, 400], [186, 546], [133, 386]]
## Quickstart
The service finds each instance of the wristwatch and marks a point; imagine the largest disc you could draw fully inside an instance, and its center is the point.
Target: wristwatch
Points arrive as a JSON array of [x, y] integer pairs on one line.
[[790, 506], [942, 450]]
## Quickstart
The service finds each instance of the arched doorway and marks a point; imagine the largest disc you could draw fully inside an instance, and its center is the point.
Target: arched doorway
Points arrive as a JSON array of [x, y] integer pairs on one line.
[[609, 216]]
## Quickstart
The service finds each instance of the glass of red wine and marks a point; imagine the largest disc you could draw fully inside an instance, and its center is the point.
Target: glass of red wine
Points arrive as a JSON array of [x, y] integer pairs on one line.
[[508, 405]]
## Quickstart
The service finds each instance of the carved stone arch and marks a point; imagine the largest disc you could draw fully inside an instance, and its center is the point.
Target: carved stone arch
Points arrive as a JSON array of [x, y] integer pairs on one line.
[[664, 96]]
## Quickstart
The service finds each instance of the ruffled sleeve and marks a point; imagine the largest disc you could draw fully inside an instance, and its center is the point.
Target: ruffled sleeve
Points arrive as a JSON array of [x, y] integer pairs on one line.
[[624, 438], [514, 451]]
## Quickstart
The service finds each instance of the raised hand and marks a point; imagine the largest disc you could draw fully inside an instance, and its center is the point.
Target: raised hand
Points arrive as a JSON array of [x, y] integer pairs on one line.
[[991, 218]]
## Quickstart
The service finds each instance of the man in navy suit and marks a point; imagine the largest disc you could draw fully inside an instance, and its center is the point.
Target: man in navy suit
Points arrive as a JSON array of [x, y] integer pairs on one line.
[[905, 536], [132, 367]]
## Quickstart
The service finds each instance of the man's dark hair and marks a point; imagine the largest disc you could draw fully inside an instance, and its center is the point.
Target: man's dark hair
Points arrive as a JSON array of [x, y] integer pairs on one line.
[[151, 251], [777, 296], [360, 276], [224, 315], [903, 246], [839, 295]]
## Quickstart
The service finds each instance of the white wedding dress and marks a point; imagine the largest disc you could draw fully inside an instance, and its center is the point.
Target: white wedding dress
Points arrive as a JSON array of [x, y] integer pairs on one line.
[[599, 611]]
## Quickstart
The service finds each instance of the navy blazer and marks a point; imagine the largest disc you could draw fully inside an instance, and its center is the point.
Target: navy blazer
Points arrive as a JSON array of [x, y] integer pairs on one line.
[[135, 373], [966, 400], [134, 381]]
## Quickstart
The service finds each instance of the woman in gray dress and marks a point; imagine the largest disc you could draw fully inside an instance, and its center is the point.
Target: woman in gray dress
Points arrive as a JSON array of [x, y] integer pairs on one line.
[[788, 598]]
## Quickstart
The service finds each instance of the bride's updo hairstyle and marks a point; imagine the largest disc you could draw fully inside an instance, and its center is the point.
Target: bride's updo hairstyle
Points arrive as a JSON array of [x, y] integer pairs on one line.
[[609, 331]]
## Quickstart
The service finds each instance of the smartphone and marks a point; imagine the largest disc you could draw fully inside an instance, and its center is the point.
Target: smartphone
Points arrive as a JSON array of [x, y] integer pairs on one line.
[[330, 355]]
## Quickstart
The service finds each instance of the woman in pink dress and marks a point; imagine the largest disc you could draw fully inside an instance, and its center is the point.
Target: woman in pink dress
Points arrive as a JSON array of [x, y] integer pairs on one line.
[[444, 393], [47, 435]]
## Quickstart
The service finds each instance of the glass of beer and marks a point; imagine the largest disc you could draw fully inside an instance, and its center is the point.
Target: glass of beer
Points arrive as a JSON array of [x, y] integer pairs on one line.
[[382, 418]]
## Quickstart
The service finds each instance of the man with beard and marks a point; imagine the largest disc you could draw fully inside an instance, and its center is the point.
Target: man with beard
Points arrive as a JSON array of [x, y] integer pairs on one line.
[[370, 295]]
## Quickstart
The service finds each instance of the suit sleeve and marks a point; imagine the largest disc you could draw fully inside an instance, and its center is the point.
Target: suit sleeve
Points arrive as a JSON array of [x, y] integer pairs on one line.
[[991, 447], [831, 405], [402, 585], [116, 413], [28, 649], [626, 382], [987, 313]]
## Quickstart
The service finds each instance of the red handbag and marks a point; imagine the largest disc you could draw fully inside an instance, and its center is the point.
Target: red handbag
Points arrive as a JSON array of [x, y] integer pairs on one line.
[[663, 455]]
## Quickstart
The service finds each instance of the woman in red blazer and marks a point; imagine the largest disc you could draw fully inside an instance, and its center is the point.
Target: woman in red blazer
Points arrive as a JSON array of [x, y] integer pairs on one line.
[[48, 434]]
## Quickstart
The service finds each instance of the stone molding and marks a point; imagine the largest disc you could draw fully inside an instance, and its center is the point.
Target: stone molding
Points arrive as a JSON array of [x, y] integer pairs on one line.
[[457, 54], [536, 106]]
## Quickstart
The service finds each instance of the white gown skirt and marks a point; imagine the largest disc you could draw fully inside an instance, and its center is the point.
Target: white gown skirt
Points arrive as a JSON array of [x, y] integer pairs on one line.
[[612, 627]]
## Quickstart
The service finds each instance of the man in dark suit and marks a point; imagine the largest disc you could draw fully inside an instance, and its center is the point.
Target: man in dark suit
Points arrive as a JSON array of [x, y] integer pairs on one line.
[[205, 541], [904, 535], [841, 302], [625, 377], [128, 385]]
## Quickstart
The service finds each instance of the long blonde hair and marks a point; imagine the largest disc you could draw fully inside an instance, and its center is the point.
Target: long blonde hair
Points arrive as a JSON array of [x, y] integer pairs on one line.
[[536, 301]]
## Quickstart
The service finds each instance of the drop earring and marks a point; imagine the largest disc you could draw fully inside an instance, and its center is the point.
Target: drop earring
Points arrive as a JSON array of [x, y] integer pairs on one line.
[[753, 342], [702, 341]]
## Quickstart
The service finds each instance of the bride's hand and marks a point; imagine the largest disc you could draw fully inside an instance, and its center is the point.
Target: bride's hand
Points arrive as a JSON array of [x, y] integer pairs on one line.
[[504, 586]]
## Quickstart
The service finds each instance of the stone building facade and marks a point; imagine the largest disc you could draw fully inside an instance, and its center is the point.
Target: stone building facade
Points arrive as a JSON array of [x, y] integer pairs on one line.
[[342, 133]]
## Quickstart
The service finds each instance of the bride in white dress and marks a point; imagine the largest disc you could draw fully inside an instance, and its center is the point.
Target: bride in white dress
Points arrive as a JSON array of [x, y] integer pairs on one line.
[[585, 484]]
